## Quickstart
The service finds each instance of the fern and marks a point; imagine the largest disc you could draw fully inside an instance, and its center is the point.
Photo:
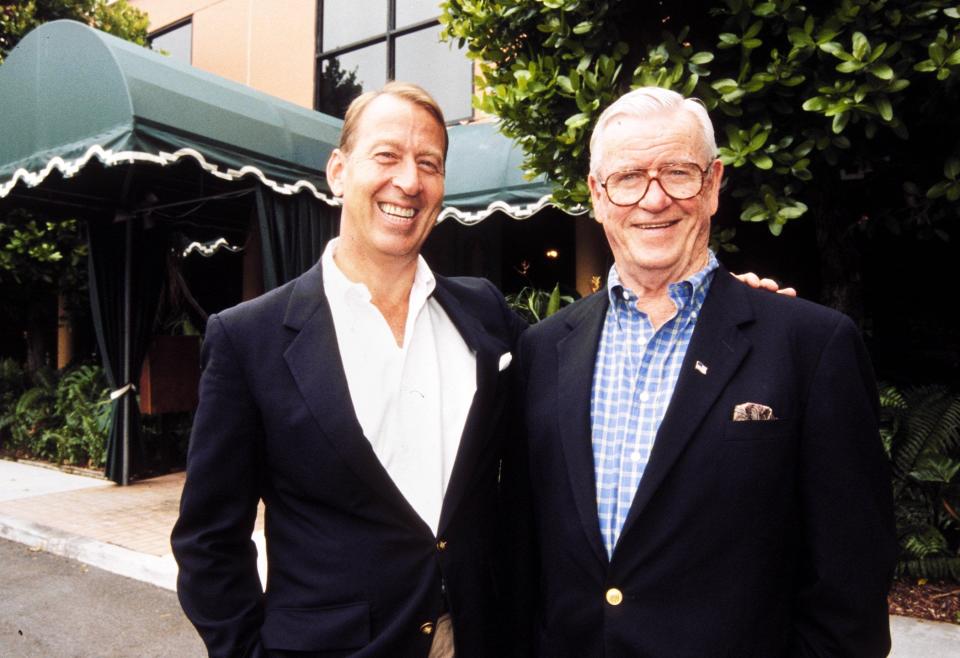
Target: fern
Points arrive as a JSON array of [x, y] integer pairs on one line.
[[921, 432]]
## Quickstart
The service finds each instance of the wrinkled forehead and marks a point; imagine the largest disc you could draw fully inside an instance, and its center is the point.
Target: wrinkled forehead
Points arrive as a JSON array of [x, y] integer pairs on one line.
[[654, 138]]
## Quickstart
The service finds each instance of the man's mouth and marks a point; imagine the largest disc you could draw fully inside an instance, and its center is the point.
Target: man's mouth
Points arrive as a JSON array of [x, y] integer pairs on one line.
[[658, 225], [397, 211]]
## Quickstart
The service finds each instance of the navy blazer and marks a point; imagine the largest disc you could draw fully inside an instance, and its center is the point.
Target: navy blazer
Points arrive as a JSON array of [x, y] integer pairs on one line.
[[352, 569], [763, 538]]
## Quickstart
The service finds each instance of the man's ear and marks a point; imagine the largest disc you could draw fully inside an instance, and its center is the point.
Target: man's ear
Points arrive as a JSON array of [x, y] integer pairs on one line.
[[335, 167], [596, 192], [716, 177]]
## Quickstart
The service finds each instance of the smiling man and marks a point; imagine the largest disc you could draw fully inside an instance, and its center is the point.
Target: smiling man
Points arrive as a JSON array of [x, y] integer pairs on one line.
[[361, 403], [702, 459]]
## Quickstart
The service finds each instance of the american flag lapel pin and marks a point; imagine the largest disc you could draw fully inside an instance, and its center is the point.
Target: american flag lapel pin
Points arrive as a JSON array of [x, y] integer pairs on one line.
[[701, 368]]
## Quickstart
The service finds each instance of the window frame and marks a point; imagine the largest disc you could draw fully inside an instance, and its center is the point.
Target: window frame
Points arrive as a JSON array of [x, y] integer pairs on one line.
[[388, 37]]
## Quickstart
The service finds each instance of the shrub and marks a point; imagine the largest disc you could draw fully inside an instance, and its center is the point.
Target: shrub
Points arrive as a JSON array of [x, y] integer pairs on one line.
[[921, 434]]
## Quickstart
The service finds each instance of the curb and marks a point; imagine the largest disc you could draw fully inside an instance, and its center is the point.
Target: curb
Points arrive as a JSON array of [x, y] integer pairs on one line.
[[160, 571]]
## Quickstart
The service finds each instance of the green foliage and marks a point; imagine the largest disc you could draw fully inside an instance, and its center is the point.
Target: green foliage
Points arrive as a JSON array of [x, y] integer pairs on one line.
[[534, 304], [921, 433], [62, 418], [804, 95], [117, 18]]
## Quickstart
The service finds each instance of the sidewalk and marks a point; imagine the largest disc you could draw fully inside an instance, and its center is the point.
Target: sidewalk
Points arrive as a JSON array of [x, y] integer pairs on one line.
[[126, 530]]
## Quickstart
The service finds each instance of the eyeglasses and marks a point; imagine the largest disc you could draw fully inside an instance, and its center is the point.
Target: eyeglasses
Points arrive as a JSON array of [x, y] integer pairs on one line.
[[679, 181]]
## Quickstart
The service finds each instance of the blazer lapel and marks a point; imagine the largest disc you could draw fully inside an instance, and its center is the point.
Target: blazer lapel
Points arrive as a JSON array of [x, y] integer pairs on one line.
[[718, 345], [576, 354], [478, 425], [314, 361]]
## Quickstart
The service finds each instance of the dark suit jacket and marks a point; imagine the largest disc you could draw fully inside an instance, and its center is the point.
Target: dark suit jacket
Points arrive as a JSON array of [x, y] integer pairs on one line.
[[353, 570], [764, 538]]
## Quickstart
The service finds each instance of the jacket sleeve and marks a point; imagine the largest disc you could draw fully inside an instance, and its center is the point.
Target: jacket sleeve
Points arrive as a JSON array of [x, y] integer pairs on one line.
[[847, 510], [218, 583]]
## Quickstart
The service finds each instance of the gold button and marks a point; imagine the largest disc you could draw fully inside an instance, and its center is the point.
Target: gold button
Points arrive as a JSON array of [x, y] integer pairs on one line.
[[614, 596], [442, 545], [426, 628]]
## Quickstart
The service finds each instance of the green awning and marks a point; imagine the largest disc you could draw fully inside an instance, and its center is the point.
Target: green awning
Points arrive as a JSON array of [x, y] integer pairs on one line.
[[485, 175], [70, 94]]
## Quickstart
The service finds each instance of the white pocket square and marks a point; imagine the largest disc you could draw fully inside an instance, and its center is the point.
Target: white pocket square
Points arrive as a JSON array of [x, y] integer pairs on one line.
[[505, 360]]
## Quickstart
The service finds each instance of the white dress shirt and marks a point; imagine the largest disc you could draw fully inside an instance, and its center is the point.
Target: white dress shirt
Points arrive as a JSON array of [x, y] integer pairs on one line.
[[411, 400]]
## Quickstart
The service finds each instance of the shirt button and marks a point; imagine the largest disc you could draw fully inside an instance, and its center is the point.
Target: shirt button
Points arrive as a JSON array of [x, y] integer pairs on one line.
[[614, 596], [635, 456], [442, 545], [626, 296], [426, 628], [644, 396]]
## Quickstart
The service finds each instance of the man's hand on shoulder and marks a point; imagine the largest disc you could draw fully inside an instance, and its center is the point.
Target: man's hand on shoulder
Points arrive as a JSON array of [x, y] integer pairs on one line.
[[755, 281]]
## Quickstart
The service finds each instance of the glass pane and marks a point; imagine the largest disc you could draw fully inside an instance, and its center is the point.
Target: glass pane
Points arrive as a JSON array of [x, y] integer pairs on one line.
[[414, 11], [347, 21], [440, 68], [177, 43], [343, 78]]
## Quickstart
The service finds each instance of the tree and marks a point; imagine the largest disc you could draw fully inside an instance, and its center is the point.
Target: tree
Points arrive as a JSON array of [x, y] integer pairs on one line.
[[41, 257], [840, 111]]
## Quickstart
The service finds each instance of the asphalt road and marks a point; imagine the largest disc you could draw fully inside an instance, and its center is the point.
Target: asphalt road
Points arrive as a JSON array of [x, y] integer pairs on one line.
[[53, 607]]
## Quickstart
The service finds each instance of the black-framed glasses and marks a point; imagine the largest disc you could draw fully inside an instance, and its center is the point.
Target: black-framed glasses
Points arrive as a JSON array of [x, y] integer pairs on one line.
[[679, 181]]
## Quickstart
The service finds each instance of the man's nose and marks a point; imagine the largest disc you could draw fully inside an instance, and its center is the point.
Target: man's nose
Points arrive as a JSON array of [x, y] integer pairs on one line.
[[655, 199], [407, 177]]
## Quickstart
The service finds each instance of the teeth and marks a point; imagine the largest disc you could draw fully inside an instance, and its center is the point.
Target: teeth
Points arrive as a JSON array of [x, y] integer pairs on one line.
[[399, 211], [665, 225]]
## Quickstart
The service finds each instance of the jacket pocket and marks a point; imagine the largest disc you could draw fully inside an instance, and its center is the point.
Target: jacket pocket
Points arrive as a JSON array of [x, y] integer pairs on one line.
[[758, 430], [317, 629]]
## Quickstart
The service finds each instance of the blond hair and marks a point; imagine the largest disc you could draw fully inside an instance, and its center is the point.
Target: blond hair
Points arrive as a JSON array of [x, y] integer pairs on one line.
[[404, 90]]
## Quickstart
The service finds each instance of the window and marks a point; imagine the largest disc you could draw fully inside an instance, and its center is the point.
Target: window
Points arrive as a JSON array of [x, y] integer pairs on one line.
[[175, 41], [388, 40]]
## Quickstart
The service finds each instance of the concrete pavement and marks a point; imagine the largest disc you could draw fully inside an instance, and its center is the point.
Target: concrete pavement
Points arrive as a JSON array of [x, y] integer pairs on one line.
[[126, 530]]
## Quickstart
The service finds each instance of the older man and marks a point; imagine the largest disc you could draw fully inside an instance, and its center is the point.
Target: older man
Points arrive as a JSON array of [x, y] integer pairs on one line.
[[361, 403], [703, 459]]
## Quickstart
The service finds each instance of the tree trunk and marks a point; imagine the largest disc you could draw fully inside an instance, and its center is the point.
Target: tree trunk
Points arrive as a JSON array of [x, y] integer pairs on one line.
[[39, 318], [64, 333]]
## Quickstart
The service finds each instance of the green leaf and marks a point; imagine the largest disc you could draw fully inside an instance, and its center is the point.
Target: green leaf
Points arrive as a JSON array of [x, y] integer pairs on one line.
[[577, 120], [833, 48], [701, 58], [849, 66], [815, 104], [840, 122], [861, 46], [764, 9], [583, 27], [951, 169], [882, 71], [728, 39], [761, 160]]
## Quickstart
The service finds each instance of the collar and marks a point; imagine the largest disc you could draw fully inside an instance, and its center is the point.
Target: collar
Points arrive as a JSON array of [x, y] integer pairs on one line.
[[681, 292], [346, 297]]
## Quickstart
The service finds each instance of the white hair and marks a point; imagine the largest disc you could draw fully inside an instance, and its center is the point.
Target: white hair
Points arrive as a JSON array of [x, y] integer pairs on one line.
[[644, 102]]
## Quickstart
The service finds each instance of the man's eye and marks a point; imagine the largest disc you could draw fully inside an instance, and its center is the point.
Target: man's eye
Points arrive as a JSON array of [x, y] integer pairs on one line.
[[631, 177], [430, 166], [678, 172], [385, 156]]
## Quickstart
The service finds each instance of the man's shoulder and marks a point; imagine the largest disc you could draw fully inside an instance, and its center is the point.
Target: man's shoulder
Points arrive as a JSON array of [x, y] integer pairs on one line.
[[571, 315], [469, 288], [800, 318]]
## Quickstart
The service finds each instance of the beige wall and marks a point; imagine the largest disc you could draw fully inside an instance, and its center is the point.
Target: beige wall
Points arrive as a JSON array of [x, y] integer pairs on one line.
[[265, 45]]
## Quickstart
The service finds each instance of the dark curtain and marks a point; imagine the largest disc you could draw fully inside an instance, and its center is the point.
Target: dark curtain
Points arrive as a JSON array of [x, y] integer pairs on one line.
[[110, 246], [293, 233]]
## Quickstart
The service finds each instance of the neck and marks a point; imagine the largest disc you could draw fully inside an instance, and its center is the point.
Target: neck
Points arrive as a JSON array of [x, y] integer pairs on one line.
[[389, 282], [652, 287]]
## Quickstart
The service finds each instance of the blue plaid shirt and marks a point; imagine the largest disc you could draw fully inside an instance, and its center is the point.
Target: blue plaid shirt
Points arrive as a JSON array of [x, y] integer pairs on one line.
[[633, 380]]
